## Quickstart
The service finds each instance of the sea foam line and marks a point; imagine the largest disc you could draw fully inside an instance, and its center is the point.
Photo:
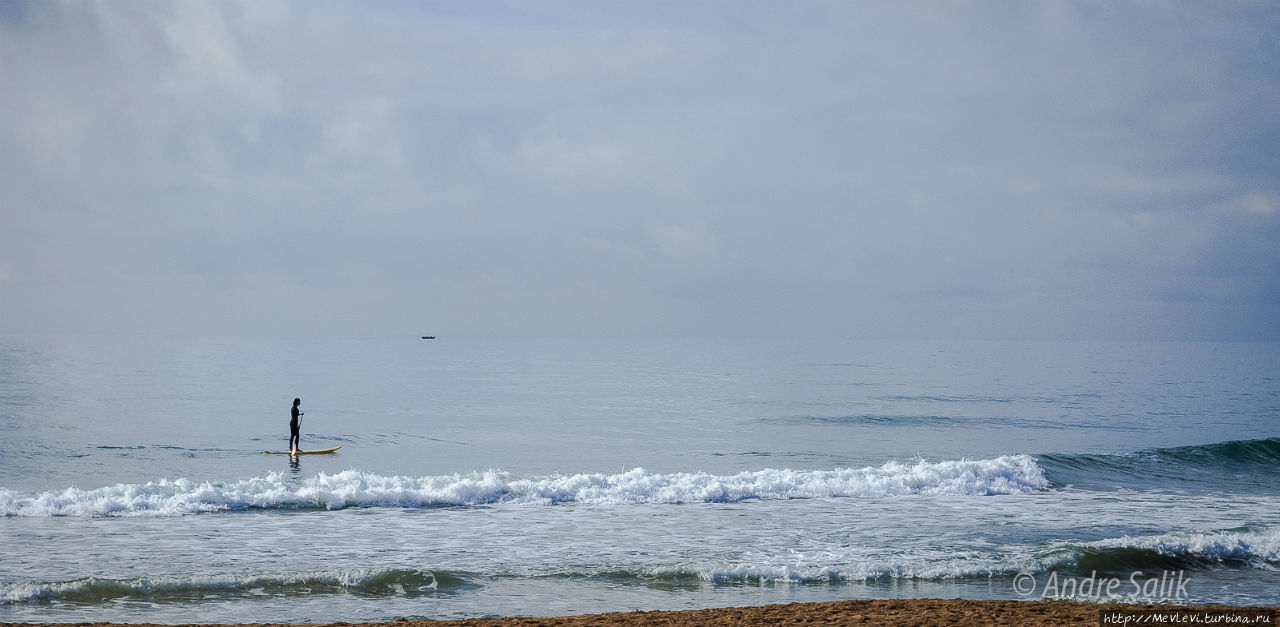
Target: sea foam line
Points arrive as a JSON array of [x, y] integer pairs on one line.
[[1246, 545], [357, 581], [1009, 474], [1243, 547]]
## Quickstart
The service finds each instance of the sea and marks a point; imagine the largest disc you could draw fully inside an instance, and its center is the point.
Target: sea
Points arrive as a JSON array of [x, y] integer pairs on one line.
[[541, 476]]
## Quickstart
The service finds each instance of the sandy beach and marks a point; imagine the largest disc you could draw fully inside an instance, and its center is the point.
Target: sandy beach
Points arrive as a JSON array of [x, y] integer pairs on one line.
[[957, 612]]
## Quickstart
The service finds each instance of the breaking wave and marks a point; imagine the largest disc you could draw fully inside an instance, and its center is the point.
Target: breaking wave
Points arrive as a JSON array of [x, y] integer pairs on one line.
[[1185, 550], [365, 582], [1244, 547], [1009, 474]]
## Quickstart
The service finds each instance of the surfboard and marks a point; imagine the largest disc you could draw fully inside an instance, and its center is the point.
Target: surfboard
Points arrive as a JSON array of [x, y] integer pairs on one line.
[[323, 451]]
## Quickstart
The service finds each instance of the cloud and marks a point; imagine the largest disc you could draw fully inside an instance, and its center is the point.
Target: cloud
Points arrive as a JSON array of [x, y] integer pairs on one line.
[[970, 169]]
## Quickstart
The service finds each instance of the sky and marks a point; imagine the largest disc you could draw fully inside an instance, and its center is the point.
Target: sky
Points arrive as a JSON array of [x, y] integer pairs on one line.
[[846, 169]]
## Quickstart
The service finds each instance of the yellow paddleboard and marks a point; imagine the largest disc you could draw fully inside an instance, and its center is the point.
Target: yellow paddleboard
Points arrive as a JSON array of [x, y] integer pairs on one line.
[[322, 451]]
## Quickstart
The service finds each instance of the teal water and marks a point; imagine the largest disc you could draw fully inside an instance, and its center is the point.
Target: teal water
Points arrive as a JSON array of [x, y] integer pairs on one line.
[[482, 477]]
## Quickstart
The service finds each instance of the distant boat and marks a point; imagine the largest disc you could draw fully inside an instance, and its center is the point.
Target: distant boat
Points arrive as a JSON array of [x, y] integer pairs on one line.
[[428, 337]]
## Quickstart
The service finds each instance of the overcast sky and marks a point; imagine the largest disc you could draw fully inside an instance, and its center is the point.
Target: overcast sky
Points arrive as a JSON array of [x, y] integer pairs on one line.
[[840, 169]]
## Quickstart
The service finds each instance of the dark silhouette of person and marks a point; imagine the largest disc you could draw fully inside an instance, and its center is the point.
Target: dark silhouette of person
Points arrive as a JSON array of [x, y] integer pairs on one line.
[[295, 421]]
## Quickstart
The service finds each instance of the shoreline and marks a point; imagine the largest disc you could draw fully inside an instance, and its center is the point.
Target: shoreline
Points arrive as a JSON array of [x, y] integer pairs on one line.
[[959, 612]]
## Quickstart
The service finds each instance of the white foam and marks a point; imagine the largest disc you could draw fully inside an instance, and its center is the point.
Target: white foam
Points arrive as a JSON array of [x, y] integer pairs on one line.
[[1010, 474], [1233, 545], [20, 592], [1260, 547], [858, 564]]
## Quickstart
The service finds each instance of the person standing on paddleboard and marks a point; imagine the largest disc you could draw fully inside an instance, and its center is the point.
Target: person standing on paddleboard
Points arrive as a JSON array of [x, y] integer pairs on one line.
[[295, 421]]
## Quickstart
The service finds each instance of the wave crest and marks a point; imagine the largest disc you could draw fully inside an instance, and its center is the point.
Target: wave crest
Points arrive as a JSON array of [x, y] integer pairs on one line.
[[1243, 546], [1010, 474], [1251, 463], [366, 582], [1184, 550]]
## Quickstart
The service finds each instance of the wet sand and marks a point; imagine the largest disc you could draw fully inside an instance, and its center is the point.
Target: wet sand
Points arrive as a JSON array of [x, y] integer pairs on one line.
[[871, 612]]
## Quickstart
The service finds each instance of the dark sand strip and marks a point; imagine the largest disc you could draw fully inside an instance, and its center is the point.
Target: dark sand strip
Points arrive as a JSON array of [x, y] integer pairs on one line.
[[956, 612]]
